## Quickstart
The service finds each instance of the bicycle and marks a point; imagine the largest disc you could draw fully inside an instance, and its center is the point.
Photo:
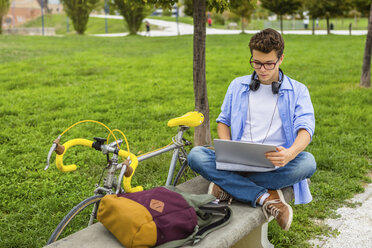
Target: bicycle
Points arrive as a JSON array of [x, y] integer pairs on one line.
[[111, 182]]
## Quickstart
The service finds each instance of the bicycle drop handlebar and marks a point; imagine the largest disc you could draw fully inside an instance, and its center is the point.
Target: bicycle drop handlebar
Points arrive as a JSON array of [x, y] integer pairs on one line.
[[105, 148], [190, 119]]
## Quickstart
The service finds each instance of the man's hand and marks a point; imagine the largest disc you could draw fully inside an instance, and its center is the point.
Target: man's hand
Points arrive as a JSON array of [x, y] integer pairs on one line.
[[281, 157]]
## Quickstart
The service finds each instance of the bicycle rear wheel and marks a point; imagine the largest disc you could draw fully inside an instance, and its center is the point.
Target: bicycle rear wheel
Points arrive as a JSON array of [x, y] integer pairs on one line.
[[77, 218]]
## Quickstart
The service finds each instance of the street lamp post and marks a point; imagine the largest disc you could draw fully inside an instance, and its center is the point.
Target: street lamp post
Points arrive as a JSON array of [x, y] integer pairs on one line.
[[178, 27], [13, 19], [67, 24], [42, 16], [106, 7]]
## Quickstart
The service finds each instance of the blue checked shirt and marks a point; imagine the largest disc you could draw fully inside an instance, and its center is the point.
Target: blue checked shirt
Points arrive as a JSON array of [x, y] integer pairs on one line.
[[295, 109]]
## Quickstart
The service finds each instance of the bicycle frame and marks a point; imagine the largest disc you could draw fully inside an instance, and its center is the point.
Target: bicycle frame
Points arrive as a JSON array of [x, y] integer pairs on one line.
[[176, 147]]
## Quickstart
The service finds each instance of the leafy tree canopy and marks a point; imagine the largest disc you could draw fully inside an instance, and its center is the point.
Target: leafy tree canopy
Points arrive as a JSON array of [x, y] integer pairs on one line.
[[327, 8], [217, 5], [243, 8], [362, 6], [78, 11], [4, 6], [134, 12], [282, 7]]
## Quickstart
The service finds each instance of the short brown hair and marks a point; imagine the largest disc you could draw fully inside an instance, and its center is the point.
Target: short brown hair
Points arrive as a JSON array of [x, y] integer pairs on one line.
[[267, 40]]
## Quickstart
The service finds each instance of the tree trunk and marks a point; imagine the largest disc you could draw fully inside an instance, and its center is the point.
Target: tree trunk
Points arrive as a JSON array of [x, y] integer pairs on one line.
[[132, 24], [281, 23], [202, 135], [365, 79], [313, 29], [328, 31], [242, 25], [1, 24], [355, 20]]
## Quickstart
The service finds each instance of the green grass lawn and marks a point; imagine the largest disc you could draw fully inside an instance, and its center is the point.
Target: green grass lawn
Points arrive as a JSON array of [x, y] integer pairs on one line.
[[137, 84]]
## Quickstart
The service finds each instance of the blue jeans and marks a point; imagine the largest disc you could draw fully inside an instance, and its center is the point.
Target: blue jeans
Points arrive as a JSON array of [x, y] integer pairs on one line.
[[249, 186]]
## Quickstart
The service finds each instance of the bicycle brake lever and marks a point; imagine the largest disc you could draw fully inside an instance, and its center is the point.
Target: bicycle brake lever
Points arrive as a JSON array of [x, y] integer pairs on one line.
[[52, 149]]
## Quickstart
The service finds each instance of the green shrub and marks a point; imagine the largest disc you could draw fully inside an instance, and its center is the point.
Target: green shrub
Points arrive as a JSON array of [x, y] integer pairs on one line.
[[218, 18], [167, 12]]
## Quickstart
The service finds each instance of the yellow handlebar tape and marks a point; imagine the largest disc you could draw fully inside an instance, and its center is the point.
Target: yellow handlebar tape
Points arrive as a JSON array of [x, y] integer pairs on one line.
[[127, 180], [84, 142], [67, 145]]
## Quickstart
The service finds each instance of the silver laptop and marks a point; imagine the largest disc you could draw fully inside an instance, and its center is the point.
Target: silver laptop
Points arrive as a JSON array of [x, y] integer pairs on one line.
[[242, 156]]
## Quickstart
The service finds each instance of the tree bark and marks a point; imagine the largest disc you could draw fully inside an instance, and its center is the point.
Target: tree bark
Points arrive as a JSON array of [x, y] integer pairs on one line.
[[202, 135], [365, 79], [313, 28], [328, 29], [243, 31], [281, 23]]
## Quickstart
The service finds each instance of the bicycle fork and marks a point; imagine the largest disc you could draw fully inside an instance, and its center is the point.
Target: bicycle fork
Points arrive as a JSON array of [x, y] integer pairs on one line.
[[109, 183], [93, 214]]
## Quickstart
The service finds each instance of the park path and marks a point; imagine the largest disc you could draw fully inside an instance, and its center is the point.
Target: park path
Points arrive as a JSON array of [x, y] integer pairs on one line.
[[167, 28], [355, 224]]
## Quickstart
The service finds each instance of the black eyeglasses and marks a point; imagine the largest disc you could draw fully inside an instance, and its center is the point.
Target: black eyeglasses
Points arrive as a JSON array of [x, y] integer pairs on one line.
[[258, 65]]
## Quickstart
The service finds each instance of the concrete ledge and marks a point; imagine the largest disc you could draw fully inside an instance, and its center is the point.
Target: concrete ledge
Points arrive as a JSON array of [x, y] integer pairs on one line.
[[246, 220], [30, 31]]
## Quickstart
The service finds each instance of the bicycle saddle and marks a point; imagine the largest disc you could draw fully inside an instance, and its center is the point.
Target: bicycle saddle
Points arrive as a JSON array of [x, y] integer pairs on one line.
[[190, 119]]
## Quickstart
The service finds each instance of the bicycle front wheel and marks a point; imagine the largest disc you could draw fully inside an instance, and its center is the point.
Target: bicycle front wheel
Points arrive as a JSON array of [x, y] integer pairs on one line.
[[81, 216]]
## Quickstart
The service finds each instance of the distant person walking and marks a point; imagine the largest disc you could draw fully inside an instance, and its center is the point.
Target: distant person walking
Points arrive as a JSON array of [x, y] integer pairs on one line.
[[306, 22], [209, 22], [147, 28]]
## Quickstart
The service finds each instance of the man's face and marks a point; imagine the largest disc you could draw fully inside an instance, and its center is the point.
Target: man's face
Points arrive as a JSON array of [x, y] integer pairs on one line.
[[266, 66]]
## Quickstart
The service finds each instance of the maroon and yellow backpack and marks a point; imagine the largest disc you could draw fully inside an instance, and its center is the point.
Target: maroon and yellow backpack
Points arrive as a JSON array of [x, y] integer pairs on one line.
[[162, 217]]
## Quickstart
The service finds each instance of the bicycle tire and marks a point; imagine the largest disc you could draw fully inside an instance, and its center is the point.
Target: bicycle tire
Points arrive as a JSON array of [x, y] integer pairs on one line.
[[183, 172], [180, 173], [71, 215]]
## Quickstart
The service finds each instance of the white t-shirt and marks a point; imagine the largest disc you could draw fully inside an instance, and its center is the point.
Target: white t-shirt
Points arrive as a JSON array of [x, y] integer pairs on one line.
[[262, 104]]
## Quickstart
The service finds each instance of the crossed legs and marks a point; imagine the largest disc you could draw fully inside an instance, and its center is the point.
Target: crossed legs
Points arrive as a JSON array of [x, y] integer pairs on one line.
[[248, 187]]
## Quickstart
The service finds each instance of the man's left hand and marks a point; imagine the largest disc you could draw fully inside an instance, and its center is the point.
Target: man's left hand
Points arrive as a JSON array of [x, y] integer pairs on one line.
[[281, 157]]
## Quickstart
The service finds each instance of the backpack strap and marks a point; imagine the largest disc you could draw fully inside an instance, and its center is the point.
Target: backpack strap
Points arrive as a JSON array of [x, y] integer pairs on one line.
[[225, 214]]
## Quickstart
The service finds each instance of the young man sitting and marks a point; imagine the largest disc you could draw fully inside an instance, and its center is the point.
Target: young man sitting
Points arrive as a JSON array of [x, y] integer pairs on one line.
[[266, 107]]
